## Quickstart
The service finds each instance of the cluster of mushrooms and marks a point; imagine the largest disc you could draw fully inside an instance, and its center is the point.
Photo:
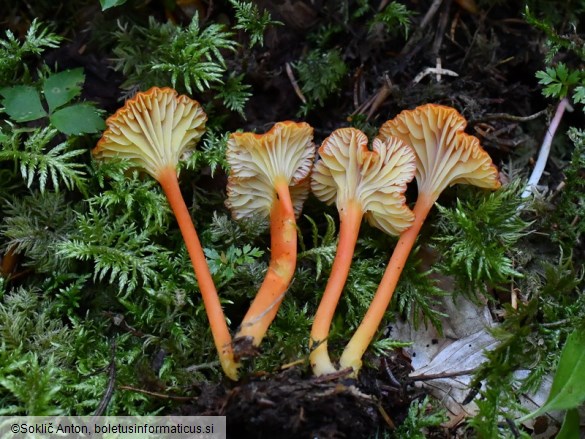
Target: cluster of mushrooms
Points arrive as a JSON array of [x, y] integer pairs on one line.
[[271, 176]]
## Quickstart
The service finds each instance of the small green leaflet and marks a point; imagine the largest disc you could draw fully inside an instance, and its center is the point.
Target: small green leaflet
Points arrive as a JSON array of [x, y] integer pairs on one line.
[[22, 103], [62, 87], [77, 119], [568, 388], [107, 4]]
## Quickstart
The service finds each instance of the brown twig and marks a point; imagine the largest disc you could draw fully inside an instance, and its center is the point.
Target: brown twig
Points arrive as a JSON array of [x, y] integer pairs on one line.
[[293, 363], [386, 417], [294, 83], [373, 103], [492, 137], [438, 376], [383, 93], [157, 394], [356, 86], [424, 22], [506, 116], [443, 18], [382, 5], [333, 376]]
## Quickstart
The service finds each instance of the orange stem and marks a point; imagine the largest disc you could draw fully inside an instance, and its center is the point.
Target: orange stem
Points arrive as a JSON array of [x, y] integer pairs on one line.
[[219, 329], [350, 221], [364, 334], [283, 244]]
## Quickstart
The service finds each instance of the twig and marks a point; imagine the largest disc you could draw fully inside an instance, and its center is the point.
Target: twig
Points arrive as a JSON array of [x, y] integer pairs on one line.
[[545, 148], [293, 81], [555, 324], [391, 376], [514, 298], [506, 116], [386, 417], [383, 94], [430, 13], [382, 5], [157, 394], [209, 365], [333, 376], [494, 136], [356, 86], [426, 19], [443, 17], [103, 405], [293, 363], [438, 376], [512, 425]]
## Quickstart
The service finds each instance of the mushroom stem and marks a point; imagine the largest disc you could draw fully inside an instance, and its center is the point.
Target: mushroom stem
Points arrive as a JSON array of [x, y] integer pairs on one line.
[[364, 334], [167, 178], [350, 221], [283, 244]]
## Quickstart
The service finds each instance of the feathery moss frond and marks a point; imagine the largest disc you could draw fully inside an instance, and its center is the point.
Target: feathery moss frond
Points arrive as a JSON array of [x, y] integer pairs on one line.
[[34, 225], [164, 53], [477, 236], [38, 38], [40, 161], [323, 247], [252, 21], [120, 253]]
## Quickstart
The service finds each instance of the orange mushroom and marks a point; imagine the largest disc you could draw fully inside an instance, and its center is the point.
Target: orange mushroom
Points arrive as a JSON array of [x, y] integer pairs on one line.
[[152, 131], [269, 178], [361, 183], [445, 156]]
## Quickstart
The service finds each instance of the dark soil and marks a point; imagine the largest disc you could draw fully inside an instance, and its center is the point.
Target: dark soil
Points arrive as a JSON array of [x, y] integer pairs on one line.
[[294, 404]]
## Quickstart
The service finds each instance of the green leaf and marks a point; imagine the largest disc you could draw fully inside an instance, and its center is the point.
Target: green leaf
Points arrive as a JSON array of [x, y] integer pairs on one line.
[[579, 95], [61, 87], [22, 103], [570, 427], [568, 388], [78, 119], [107, 4], [546, 77]]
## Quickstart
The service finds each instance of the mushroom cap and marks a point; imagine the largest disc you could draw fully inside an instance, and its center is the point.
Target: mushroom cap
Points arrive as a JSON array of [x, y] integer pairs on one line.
[[445, 155], [258, 161], [376, 179], [153, 129]]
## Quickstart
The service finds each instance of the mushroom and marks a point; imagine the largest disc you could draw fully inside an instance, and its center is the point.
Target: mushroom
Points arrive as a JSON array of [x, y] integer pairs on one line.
[[152, 130], [445, 156], [269, 177], [361, 183]]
